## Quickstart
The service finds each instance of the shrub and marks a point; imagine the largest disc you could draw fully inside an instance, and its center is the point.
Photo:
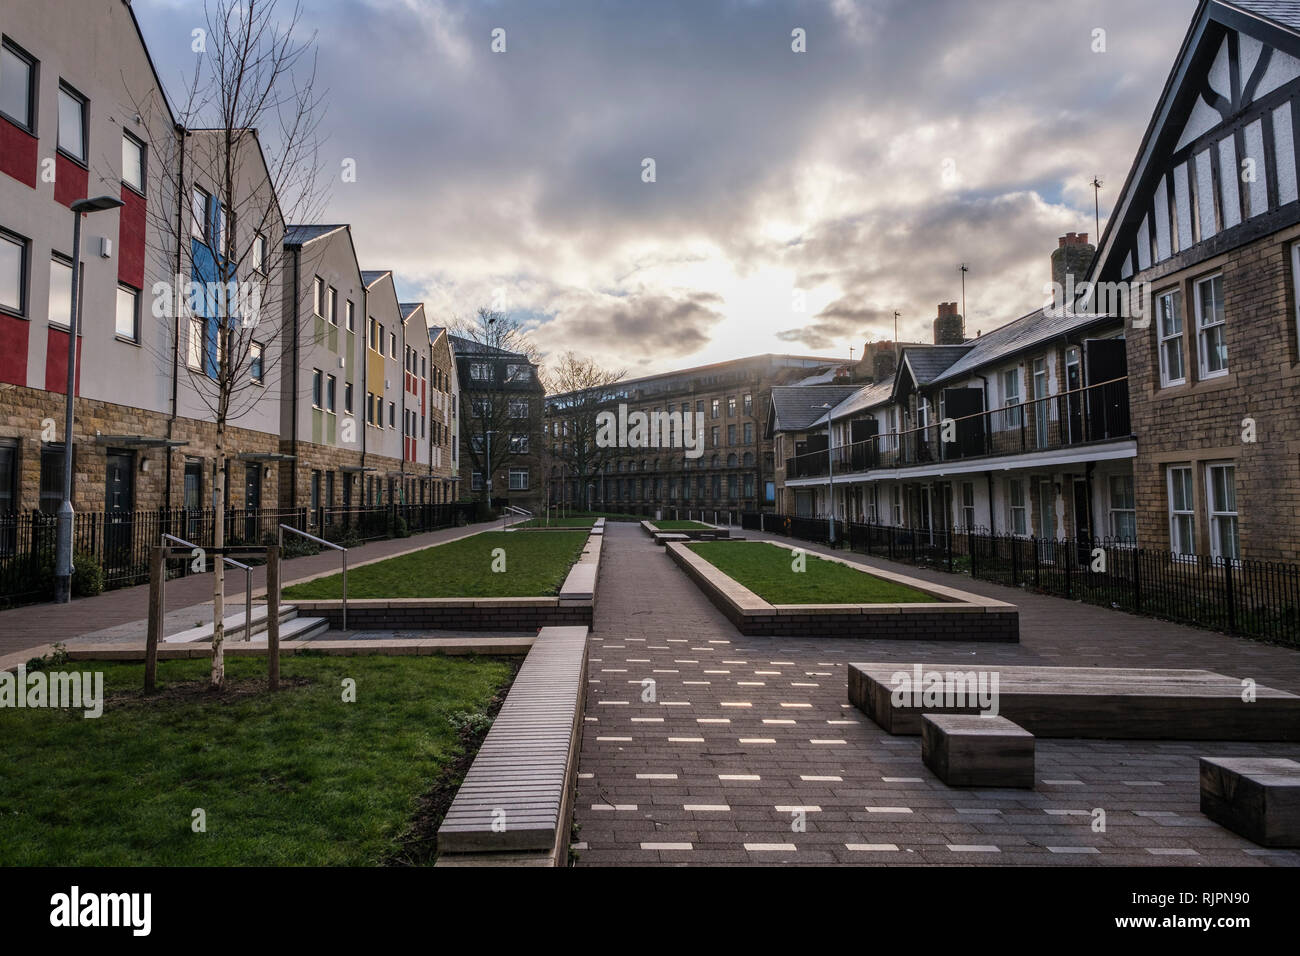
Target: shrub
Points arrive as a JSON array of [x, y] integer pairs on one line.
[[87, 575], [400, 529], [469, 724]]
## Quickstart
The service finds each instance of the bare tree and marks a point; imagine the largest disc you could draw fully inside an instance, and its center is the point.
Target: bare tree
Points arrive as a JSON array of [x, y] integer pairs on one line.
[[578, 388], [241, 163]]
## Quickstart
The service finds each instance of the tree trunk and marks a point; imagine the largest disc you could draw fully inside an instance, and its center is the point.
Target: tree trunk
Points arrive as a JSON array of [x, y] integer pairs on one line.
[[218, 566]]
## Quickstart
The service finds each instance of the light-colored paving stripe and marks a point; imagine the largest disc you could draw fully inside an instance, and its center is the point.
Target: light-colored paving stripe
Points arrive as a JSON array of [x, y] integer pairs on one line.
[[713, 720], [803, 684], [586, 776], [666, 846], [796, 808], [758, 740], [593, 680], [686, 740], [767, 673], [1063, 783], [1142, 783], [973, 848], [843, 723], [770, 847], [735, 703], [715, 671], [613, 670], [827, 743], [616, 740], [704, 648], [656, 776], [674, 703], [660, 670], [647, 720], [591, 720], [676, 640], [706, 808], [657, 647], [782, 663], [751, 683], [888, 809], [638, 660], [1072, 849], [871, 847], [634, 640], [685, 662], [1171, 851], [901, 779], [739, 776], [613, 806], [819, 674], [614, 647], [778, 720], [612, 703], [828, 778], [697, 683], [718, 640], [793, 706], [735, 662]]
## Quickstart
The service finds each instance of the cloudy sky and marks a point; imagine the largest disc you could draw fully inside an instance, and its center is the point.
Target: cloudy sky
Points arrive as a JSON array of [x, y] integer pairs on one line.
[[799, 198]]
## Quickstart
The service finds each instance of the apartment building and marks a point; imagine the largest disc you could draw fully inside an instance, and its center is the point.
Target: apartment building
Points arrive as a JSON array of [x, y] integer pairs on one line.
[[1209, 218], [1024, 430], [502, 399], [728, 404], [444, 422]]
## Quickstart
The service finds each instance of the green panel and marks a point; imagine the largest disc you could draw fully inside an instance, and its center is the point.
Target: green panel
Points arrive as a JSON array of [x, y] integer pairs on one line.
[[318, 329], [331, 428], [317, 418], [334, 338]]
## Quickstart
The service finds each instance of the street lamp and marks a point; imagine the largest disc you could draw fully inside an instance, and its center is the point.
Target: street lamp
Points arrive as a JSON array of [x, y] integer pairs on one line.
[[63, 549]]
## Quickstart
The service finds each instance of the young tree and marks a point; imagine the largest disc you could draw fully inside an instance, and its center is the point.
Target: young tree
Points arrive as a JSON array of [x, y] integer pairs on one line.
[[240, 165], [502, 405], [578, 388]]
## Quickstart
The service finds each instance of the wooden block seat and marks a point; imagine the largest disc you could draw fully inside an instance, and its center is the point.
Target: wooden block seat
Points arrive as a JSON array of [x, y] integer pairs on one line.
[[969, 750], [1258, 797]]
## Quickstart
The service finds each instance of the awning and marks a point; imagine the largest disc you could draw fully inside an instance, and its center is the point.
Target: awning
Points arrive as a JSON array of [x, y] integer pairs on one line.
[[355, 469], [264, 456], [139, 441]]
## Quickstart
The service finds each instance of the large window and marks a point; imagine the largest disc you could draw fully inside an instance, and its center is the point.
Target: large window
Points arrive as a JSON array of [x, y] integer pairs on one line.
[[1123, 508], [1182, 510], [72, 123], [61, 292], [1221, 497], [1169, 319], [128, 314], [347, 398], [518, 479], [480, 371], [518, 409], [967, 505], [518, 373], [18, 86], [133, 169], [351, 313], [1212, 328], [13, 273]]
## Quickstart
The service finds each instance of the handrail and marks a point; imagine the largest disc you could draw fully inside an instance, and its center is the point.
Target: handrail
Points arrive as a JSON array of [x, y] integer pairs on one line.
[[248, 584], [516, 511], [323, 543]]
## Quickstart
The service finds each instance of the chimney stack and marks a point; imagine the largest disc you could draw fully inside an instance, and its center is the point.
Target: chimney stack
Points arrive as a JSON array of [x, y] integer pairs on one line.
[[883, 364], [949, 326], [1071, 257]]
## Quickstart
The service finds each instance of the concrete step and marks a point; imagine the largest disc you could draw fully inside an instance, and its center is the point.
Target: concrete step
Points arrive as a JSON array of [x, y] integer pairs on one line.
[[234, 624], [298, 629]]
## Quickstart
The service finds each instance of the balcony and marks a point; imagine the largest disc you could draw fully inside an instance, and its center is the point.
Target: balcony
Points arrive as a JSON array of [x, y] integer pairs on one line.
[[1084, 416]]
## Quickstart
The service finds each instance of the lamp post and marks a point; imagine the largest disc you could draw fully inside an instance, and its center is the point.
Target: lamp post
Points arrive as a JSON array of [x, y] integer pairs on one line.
[[63, 548]]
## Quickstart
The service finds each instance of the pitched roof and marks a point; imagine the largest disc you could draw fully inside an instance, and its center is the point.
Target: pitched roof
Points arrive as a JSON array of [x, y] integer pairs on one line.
[[301, 235], [371, 276], [464, 346], [1285, 13], [928, 362], [410, 308], [866, 397], [796, 407]]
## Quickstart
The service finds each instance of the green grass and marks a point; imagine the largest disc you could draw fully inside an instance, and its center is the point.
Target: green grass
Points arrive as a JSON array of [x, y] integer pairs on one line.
[[567, 522], [681, 525], [293, 778], [535, 565], [767, 570]]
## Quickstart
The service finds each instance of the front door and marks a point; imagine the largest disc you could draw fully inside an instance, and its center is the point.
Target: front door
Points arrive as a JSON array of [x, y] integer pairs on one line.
[[252, 500], [119, 503], [1083, 519], [1046, 519], [1074, 382]]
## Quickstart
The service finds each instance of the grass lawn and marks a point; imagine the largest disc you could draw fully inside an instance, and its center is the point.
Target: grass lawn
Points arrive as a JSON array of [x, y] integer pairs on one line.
[[535, 565], [681, 525], [767, 570], [574, 521], [294, 778]]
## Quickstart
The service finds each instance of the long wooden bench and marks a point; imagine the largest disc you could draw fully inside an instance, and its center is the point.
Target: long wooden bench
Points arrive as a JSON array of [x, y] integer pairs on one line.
[[515, 806], [1258, 797], [1092, 702]]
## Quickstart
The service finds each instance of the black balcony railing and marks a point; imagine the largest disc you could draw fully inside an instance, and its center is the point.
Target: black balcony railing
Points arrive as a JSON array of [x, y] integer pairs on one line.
[[1096, 413]]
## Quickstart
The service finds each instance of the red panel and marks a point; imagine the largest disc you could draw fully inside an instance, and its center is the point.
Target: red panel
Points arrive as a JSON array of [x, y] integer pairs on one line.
[[130, 239], [18, 153], [13, 350], [70, 181], [56, 362]]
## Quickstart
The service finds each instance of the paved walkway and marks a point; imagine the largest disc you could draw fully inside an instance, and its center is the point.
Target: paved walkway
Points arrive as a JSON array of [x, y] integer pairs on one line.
[[120, 613], [749, 753]]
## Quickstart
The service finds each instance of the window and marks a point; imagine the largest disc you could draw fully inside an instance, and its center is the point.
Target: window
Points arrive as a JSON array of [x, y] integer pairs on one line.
[[318, 296], [370, 408], [481, 408], [518, 409], [316, 385], [518, 479], [133, 170], [128, 314], [371, 327], [1221, 495], [350, 312], [60, 293], [260, 253], [1011, 398], [315, 490], [476, 480], [480, 372], [255, 363], [17, 86], [749, 404], [967, 505], [196, 347], [200, 208], [1123, 508], [392, 345], [1016, 505], [332, 305], [1170, 330], [1212, 328], [392, 415], [331, 385], [518, 373], [72, 123], [347, 397], [896, 504], [13, 273], [731, 406], [519, 444], [225, 224], [1182, 511], [715, 409], [52, 478]]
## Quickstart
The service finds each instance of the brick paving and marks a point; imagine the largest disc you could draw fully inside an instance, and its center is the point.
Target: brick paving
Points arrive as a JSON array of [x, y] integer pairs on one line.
[[749, 753], [126, 609]]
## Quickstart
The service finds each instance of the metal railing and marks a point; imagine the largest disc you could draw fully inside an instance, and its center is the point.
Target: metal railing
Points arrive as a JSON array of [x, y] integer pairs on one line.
[[324, 544], [522, 514], [248, 584]]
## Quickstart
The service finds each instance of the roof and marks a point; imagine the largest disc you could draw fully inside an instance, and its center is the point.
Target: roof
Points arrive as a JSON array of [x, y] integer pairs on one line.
[[410, 308], [464, 346], [796, 407], [371, 276], [1022, 333], [866, 397], [928, 362], [301, 235], [1285, 13]]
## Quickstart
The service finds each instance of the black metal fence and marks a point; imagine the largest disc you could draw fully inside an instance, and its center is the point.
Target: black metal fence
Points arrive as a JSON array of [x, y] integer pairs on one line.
[[119, 543], [1251, 598]]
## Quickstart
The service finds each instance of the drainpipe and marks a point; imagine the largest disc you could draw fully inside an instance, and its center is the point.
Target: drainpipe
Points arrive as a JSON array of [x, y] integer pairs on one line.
[[293, 418], [176, 329]]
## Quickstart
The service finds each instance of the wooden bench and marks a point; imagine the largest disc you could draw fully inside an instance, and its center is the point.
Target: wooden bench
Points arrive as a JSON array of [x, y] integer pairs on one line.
[[1258, 797], [969, 750], [515, 806], [1107, 703]]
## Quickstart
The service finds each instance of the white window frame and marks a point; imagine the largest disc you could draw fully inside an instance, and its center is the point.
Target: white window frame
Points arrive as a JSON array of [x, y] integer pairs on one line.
[[318, 297], [68, 93], [197, 345], [23, 247], [134, 335], [1017, 514], [260, 252], [350, 314], [200, 207], [28, 120], [1202, 347], [132, 142], [256, 360], [1114, 510], [332, 305], [1170, 302], [1217, 513], [514, 483], [1182, 550], [60, 261], [317, 388]]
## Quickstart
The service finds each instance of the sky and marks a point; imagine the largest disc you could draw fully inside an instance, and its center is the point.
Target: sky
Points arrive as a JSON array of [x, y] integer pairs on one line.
[[798, 198]]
